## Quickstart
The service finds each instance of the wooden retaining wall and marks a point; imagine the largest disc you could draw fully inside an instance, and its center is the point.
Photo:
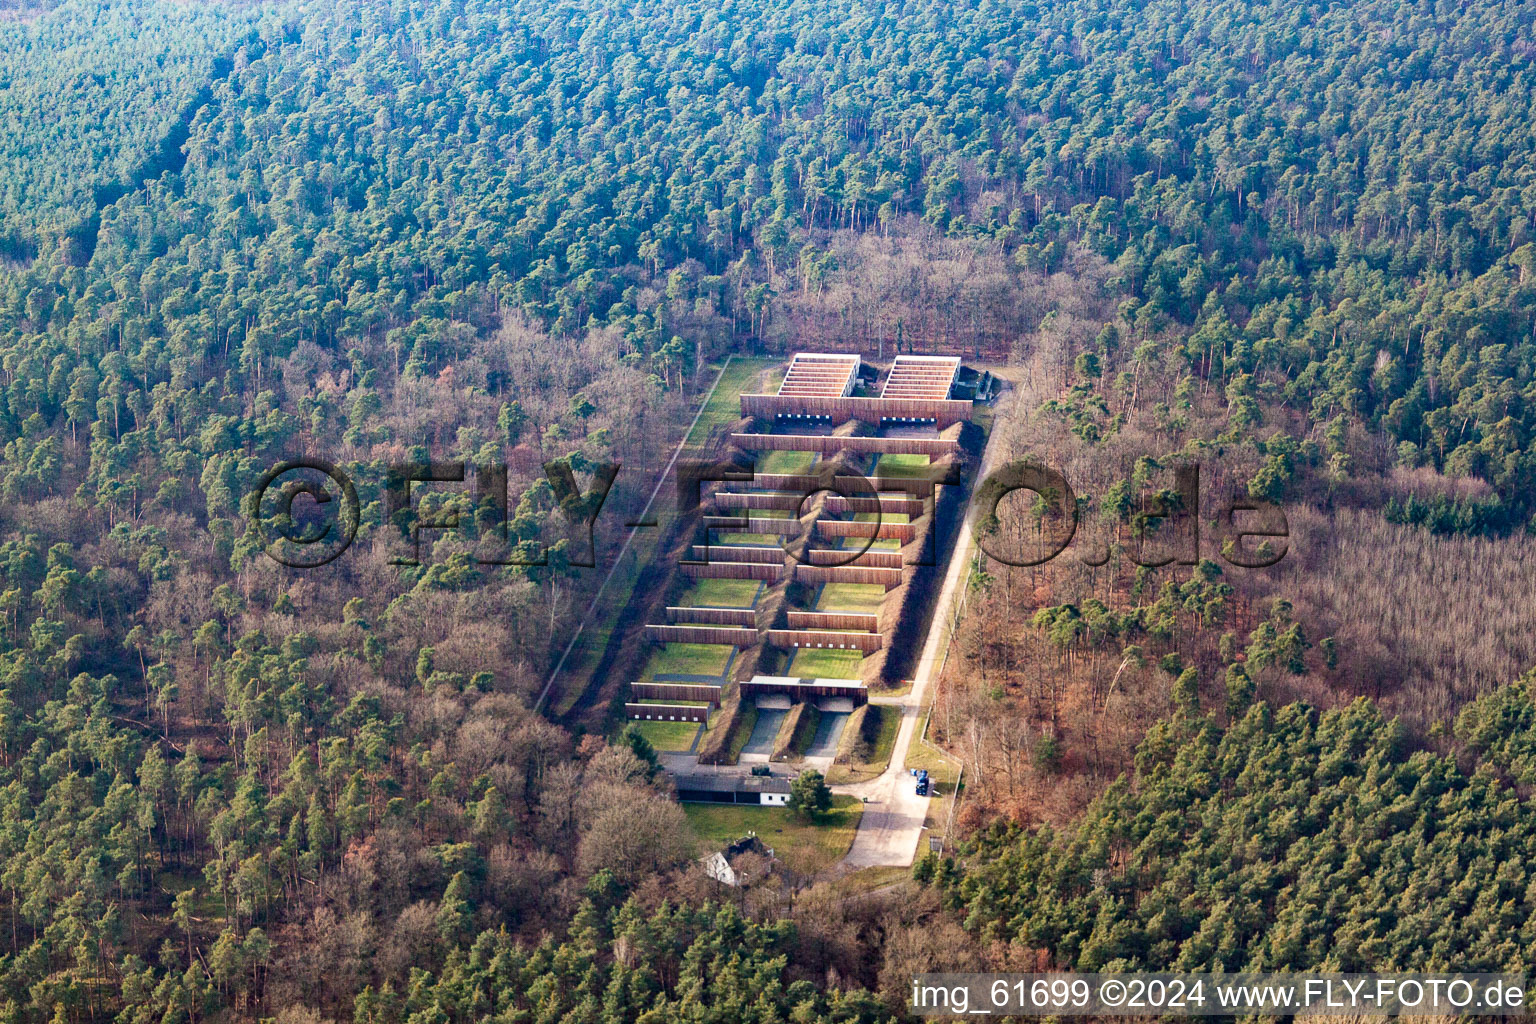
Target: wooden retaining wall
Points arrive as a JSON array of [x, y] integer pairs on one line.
[[666, 712], [675, 691], [826, 444], [835, 620], [852, 486], [912, 507], [712, 616], [791, 502], [835, 502], [732, 571], [865, 642], [844, 556], [887, 578], [904, 532], [737, 553], [733, 524], [840, 409], [730, 635]]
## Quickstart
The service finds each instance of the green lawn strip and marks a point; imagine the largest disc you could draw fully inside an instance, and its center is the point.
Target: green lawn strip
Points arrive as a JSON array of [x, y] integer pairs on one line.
[[724, 406], [862, 544], [893, 464], [743, 733], [851, 597], [687, 659], [671, 737], [804, 847], [859, 771], [747, 538], [797, 731], [826, 663], [785, 462], [674, 703], [722, 593]]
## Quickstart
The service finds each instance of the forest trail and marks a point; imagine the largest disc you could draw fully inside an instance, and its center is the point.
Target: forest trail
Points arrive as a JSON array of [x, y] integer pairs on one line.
[[618, 559]]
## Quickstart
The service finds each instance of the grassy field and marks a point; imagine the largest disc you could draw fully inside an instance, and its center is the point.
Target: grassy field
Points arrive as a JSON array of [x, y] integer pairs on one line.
[[669, 736], [722, 593], [804, 848], [901, 465], [755, 538], [724, 406], [860, 771], [785, 462], [690, 659], [865, 544], [851, 597], [826, 663]]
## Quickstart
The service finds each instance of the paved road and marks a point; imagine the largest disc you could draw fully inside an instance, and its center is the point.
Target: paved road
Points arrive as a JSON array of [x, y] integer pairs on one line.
[[892, 823]]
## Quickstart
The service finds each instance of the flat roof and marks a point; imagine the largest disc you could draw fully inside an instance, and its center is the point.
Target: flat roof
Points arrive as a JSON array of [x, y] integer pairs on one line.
[[925, 377], [844, 684], [731, 783], [820, 374]]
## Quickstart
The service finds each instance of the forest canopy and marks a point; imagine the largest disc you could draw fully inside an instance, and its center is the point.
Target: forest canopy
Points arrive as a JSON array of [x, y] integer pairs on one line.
[[520, 232]]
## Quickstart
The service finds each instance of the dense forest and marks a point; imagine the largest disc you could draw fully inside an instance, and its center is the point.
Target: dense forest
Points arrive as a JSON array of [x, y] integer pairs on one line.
[[1293, 239], [1288, 840]]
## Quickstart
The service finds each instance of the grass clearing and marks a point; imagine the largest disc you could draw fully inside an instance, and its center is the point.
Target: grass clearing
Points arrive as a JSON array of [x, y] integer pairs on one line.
[[862, 544], [785, 462], [669, 737], [722, 593], [851, 597], [896, 464], [759, 539], [806, 848], [867, 880], [724, 406], [825, 663], [688, 659]]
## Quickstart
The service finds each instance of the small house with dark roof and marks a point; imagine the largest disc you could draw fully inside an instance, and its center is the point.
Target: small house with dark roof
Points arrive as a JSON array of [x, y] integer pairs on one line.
[[722, 864]]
